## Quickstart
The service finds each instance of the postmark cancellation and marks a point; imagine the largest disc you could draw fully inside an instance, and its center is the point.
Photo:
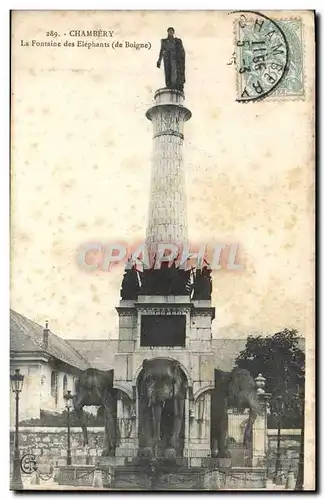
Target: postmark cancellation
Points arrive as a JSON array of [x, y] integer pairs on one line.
[[269, 58]]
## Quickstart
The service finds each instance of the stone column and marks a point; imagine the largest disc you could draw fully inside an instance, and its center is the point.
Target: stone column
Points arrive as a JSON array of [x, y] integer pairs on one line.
[[119, 415], [186, 424], [259, 444], [126, 418], [167, 207]]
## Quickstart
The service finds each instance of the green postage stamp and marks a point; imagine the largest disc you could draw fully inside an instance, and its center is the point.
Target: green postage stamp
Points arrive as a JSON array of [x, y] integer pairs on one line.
[[269, 58]]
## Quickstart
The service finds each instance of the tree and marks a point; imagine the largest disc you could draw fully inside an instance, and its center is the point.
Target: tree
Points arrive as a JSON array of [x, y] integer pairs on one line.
[[281, 361]]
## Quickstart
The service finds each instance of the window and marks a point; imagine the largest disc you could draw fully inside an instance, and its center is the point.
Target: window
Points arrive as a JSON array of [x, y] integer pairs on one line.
[[65, 385], [163, 330], [54, 386]]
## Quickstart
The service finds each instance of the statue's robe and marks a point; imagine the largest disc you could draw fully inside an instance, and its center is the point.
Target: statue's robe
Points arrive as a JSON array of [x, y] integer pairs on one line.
[[173, 54]]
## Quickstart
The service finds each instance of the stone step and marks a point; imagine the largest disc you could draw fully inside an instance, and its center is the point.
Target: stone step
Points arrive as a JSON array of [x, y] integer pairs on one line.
[[160, 461], [137, 477], [106, 462]]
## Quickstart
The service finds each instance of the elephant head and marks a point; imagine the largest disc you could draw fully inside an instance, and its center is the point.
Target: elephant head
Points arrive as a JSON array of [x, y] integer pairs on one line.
[[163, 391], [95, 387], [162, 379], [240, 390], [235, 389]]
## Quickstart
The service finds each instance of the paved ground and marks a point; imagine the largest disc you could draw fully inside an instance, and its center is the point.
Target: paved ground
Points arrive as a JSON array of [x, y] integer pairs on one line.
[[52, 485]]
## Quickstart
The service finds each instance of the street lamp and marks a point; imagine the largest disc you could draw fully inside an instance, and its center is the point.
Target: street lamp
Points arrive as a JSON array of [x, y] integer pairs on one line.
[[68, 404], [301, 392], [260, 384], [16, 380], [278, 464]]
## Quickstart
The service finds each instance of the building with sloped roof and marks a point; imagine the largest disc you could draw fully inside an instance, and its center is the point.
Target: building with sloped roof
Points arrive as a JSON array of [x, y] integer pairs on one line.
[[49, 363]]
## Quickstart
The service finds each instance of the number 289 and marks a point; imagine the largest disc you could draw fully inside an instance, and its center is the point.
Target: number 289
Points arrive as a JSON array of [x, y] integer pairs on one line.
[[52, 33]]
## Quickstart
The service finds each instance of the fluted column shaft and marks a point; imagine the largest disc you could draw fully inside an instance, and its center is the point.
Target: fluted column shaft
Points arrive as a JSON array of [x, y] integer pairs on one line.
[[167, 221]]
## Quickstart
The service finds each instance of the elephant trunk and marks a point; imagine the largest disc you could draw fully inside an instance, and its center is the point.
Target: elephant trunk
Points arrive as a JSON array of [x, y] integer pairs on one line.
[[156, 417], [248, 434]]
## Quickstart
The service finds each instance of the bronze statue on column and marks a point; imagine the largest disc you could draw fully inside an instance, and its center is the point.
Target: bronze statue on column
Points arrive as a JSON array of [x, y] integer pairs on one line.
[[173, 54]]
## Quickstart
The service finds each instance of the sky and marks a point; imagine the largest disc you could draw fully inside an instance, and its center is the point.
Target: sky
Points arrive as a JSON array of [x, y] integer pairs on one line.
[[81, 159]]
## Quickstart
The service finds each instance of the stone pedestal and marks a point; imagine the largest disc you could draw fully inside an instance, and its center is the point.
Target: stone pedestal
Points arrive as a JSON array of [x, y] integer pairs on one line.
[[199, 427], [196, 360], [126, 421], [259, 447]]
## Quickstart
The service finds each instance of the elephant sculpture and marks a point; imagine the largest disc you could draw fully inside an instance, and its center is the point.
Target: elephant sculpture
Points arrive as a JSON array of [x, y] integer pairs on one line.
[[162, 392], [235, 389], [95, 388]]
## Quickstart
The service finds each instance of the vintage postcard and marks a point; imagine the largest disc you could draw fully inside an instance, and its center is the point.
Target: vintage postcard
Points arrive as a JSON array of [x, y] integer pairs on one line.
[[162, 328]]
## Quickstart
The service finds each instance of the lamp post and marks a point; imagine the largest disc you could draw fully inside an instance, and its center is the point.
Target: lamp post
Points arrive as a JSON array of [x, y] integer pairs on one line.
[[260, 384], [255, 435], [278, 464], [16, 380], [68, 404], [301, 391]]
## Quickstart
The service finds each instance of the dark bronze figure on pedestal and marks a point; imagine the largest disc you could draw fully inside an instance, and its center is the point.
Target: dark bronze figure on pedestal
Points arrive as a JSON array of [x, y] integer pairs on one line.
[[203, 284], [173, 54], [130, 284]]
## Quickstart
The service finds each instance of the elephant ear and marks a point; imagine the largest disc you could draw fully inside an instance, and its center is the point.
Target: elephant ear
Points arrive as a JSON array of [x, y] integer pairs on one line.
[[175, 366], [145, 364], [178, 375], [242, 389], [110, 377], [221, 379], [176, 369]]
